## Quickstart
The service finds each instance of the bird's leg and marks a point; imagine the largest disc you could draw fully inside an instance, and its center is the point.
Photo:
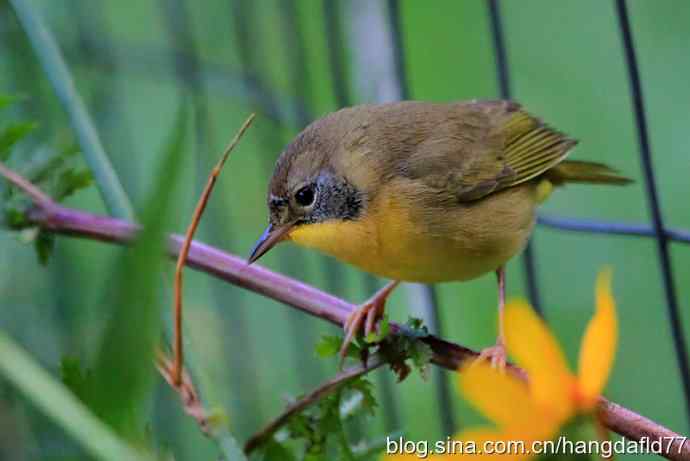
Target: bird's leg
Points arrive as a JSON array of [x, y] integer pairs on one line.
[[366, 313], [497, 353]]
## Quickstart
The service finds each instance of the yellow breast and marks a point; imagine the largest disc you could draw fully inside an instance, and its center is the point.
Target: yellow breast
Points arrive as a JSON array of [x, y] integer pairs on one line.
[[395, 240]]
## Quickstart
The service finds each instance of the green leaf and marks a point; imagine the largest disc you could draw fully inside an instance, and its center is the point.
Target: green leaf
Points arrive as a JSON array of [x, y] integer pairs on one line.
[[56, 401], [58, 174], [383, 330], [57, 72], [408, 344], [274, 451], [74, 377], [321, 427], [11, 135], [421, 355], [15, 210], [415, 328], [123, 370], [70, 181], [329, 346], [363, 387], [7, 100], [44, 245]]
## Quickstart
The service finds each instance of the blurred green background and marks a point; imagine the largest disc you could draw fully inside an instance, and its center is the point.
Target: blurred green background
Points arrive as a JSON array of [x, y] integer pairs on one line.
[[135, 63]]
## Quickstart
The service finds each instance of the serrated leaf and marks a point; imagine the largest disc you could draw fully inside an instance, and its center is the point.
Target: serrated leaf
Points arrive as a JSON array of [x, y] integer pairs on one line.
[[11, 135], [415, 328], [397, 349], [421, 355], [365, 390], [383, 330], [328, 346]]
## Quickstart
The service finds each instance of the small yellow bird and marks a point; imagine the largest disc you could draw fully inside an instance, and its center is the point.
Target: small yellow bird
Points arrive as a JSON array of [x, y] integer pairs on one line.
[[421, 192]]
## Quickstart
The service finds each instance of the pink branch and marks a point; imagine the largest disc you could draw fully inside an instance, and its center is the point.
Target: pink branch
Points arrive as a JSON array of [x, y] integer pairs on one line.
[[61, 220]]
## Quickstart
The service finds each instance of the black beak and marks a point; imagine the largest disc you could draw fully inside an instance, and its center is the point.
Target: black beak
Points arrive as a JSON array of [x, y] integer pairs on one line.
[[271, 236]]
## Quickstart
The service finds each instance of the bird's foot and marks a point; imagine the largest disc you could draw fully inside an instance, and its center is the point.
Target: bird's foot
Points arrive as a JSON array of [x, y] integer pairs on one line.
[[496, 355], [364, 317]]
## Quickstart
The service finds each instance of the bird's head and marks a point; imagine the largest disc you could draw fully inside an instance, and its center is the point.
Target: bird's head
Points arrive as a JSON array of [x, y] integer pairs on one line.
[[307, 187]]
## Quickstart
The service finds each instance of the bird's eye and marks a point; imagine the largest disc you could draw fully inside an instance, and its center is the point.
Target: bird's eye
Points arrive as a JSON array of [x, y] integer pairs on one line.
[[305, 196]]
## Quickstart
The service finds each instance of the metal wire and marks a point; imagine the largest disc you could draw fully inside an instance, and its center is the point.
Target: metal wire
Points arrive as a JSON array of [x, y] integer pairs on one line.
[[281, 110], [611, 228], [657, 230], [660, 234], [448, 424], [503, 74]]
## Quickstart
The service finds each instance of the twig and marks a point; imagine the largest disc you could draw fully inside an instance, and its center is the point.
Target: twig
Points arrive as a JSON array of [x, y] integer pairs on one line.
[[185, 389], [184, 251], [233, 269], [36, 194], [323, 390]]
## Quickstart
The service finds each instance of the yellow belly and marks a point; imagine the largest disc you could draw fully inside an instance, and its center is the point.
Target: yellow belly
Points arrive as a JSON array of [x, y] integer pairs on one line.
[[396, 242]]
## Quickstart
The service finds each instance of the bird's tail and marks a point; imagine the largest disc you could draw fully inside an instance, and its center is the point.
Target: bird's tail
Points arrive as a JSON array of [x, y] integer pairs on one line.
[[587, 172]]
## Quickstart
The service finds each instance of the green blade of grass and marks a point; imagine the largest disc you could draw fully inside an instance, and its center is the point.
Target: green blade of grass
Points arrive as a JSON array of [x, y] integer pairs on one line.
[[56, 70], [61, 405], [123, 370]]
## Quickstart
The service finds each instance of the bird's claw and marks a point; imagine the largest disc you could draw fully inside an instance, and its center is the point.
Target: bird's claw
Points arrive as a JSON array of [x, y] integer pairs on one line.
[[365, 315], [496, 355]]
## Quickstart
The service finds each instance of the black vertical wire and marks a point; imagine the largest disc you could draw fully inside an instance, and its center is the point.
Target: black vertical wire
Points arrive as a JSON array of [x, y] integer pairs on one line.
[[247, 35], [341, 92], [645, 149], [441, 377], [189, 71], [503, 75]]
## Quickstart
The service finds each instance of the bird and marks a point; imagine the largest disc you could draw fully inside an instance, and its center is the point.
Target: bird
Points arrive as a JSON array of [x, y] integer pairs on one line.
[[420, 191]]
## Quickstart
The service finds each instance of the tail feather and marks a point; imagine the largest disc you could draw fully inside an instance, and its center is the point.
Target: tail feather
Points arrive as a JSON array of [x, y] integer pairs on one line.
[[586, 172]]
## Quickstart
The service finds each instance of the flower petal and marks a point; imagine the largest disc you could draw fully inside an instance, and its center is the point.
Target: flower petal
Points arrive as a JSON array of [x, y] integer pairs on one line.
[[535, 349], [501, 397], [598, 343]]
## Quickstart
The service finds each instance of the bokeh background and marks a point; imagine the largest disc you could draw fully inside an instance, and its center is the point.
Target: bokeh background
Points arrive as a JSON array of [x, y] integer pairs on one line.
[[135, 63]]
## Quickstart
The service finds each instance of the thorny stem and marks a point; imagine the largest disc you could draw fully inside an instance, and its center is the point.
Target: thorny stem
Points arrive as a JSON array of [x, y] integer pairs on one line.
[[324, 389], [191, 403], [233, 269], [184, 251]]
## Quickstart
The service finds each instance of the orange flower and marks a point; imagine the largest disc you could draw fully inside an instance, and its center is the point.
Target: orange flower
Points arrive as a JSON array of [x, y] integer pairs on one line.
[[525, 412]]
